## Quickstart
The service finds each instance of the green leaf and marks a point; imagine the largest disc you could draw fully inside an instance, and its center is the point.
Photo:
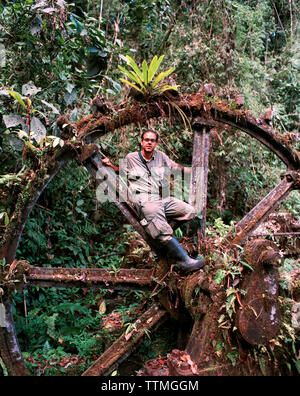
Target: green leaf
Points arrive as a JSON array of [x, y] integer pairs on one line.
[[4, 369], [30, 145], [165, 87], [144, 76], [162, 75], [135, 67], [129, 83], [50, 322], [230, 302], [247, 265], [77, 24], [145, 71], [6, 219], [154, 65], [233, 356], [17, 96], [132, 75], [220, 275]]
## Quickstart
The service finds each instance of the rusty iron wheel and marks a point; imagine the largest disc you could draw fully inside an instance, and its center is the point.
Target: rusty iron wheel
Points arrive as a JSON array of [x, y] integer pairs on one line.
[[46, 277]]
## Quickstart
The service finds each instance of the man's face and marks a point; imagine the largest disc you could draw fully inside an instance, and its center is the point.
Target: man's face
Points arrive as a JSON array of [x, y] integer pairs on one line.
[[149, 143]]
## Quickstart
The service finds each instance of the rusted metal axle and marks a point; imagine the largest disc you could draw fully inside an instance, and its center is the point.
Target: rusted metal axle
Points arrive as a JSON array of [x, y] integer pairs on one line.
[[276, 234], [123, 279], [123, 347]]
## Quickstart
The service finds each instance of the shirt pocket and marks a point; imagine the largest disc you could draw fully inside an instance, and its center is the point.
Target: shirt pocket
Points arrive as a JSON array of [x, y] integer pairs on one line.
[[136, 174]]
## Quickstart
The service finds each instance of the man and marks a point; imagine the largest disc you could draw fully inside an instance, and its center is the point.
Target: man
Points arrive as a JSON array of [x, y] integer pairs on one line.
[[147, 173]]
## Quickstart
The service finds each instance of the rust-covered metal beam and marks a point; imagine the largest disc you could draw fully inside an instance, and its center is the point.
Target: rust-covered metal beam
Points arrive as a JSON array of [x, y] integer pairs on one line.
[[292, 234], [123, 279], [124, 346], [260, 131], [245, 227], [193, 105], [199, 179]]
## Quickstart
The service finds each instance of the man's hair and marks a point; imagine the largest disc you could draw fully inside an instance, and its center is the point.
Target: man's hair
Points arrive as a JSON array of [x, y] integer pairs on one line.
[[150, 130]]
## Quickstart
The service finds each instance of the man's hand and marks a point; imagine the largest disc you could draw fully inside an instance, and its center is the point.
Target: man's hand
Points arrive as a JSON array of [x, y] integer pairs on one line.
[[106, 161]]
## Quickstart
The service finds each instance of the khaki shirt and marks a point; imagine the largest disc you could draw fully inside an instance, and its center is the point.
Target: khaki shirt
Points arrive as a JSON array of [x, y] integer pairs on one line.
[[148, 184]]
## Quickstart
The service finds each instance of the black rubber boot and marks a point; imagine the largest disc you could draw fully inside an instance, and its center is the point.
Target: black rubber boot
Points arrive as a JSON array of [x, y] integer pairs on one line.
[[193, 225], [182, 259]]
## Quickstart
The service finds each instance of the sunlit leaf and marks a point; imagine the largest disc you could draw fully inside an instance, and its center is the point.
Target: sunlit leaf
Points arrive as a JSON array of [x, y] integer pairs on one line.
[[135, 67], [144, 76], [166, 87], [129, 83], [162, 75], [30, 145], [154, 65], [17, 96], [131, 75], [145, 71], [102, 308], [6, 219]]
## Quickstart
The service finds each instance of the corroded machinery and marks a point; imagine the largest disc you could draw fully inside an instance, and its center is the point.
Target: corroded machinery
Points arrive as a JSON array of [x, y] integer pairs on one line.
[[258, 318]]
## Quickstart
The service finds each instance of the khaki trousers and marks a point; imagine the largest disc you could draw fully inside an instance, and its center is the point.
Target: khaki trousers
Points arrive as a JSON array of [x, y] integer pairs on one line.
[[156, 214]]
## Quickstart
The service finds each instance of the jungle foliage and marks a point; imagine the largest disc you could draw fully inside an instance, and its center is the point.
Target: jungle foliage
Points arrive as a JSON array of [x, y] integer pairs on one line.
[[56, 57]]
